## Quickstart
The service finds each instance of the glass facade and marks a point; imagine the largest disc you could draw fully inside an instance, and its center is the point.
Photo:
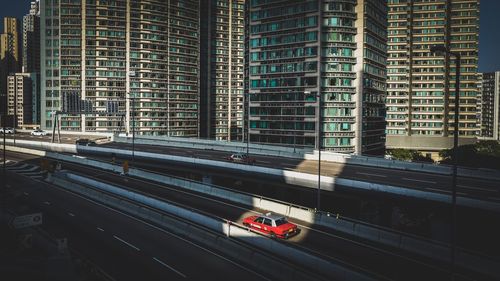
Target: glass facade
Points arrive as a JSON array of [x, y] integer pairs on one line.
[[142, 54], [317, 68]]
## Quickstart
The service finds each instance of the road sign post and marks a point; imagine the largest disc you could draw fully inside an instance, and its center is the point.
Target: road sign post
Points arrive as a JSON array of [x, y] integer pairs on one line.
[[26, 221]]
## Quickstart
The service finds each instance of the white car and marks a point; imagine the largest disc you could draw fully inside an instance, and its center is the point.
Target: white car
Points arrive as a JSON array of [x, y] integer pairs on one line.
[[7, 130], [38, 132]]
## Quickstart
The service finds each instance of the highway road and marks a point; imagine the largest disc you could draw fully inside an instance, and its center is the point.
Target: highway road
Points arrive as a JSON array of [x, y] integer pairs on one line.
[[483, 189], [383, 262], [125, 247]]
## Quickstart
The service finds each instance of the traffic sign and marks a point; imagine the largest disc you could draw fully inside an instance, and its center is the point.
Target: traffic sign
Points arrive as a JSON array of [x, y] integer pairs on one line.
[[27, 220]]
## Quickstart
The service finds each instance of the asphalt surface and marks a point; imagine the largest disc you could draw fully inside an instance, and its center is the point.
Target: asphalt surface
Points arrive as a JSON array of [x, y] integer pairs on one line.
[[483, 189], [124, 247], [359, 255]]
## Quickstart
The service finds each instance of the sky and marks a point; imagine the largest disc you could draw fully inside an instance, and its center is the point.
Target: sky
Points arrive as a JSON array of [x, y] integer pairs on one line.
[[489, 35]]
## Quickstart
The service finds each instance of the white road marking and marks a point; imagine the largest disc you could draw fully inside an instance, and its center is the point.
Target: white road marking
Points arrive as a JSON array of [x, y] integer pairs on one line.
[[439, 190], [475, 188], [100, 229], [71, 214], [46, 203], [126, 243], [373, 175], [433, 182], [169, 267], [26, 193], [244, 267]]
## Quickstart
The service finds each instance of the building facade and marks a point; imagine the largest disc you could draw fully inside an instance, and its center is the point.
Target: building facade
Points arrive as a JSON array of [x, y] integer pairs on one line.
[[316, 74], [143, 55], [222, 65], [31, 55], [19, 96], [421, 85], [10, 57], [490, 106], [31, 39]]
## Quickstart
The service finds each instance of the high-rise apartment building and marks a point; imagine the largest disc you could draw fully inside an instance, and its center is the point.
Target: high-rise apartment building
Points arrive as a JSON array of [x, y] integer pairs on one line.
[[421, 85], [317, 68], [10, 57], [490, 106], [19, 96], [31, 55], [222, 65], [31, 39], [142, 54]]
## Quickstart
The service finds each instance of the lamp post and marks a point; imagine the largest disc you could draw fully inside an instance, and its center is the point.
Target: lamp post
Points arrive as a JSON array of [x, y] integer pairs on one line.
[[319, 152], [248, 123], [440, 49]]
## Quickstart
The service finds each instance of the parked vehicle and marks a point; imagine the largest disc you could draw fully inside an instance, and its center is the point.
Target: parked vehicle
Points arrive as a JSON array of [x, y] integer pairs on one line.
[[7, 130], [273, 225], [38, 132], [241, 157]]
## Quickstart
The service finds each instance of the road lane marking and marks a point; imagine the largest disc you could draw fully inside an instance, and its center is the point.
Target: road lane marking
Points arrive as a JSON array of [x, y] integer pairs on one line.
[[435, 189], [126, 243], [243, 267], [475, 188], [169, 267], [433, 182], [373, 175], [100, 229], [26, 193], [46, 203], [71, 214]]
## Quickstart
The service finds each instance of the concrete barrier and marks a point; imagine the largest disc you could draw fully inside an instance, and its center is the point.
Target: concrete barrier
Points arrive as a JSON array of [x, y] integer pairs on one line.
[[384, 236], [281, 250]]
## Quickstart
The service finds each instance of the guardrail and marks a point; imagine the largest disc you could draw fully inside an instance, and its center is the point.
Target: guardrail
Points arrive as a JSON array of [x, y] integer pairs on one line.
[[424, 247], [402, 241], [278, 267], [308, 154]]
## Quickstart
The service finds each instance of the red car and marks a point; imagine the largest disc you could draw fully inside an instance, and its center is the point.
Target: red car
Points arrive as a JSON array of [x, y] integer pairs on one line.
[[273, 225]]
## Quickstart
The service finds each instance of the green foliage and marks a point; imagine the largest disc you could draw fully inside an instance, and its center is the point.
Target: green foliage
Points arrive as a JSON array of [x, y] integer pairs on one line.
[[409, 155], [484, 154]]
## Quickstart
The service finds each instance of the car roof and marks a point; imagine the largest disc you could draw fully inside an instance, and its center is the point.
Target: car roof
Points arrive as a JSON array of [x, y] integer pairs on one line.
[[273, 216]]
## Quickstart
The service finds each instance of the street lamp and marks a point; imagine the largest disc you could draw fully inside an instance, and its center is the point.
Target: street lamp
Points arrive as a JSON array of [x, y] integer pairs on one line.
[[440, 49], [319, 151], [248, 123]]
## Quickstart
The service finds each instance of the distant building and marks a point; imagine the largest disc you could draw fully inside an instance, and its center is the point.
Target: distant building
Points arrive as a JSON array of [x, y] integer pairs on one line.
[[143, 55], [10, 57], [20, 103], [421, 85], [31, 55], [490, 106], [316, 70], [222, 69], [31, 39]]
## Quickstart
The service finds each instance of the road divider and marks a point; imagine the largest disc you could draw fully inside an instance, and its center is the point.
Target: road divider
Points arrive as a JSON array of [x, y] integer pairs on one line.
[[424, 247], [278, 259]]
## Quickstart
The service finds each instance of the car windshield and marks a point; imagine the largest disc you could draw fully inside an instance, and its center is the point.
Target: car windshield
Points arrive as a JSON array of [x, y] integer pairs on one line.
[[280, 221]]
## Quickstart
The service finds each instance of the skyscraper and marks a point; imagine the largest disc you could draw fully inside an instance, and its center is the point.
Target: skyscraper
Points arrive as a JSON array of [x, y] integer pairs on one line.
[[222, 63], [19, 93], [144, 55], [31, 56], [10, 57], [421, 85], [31, 39], [316, 71], [490, 106]]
